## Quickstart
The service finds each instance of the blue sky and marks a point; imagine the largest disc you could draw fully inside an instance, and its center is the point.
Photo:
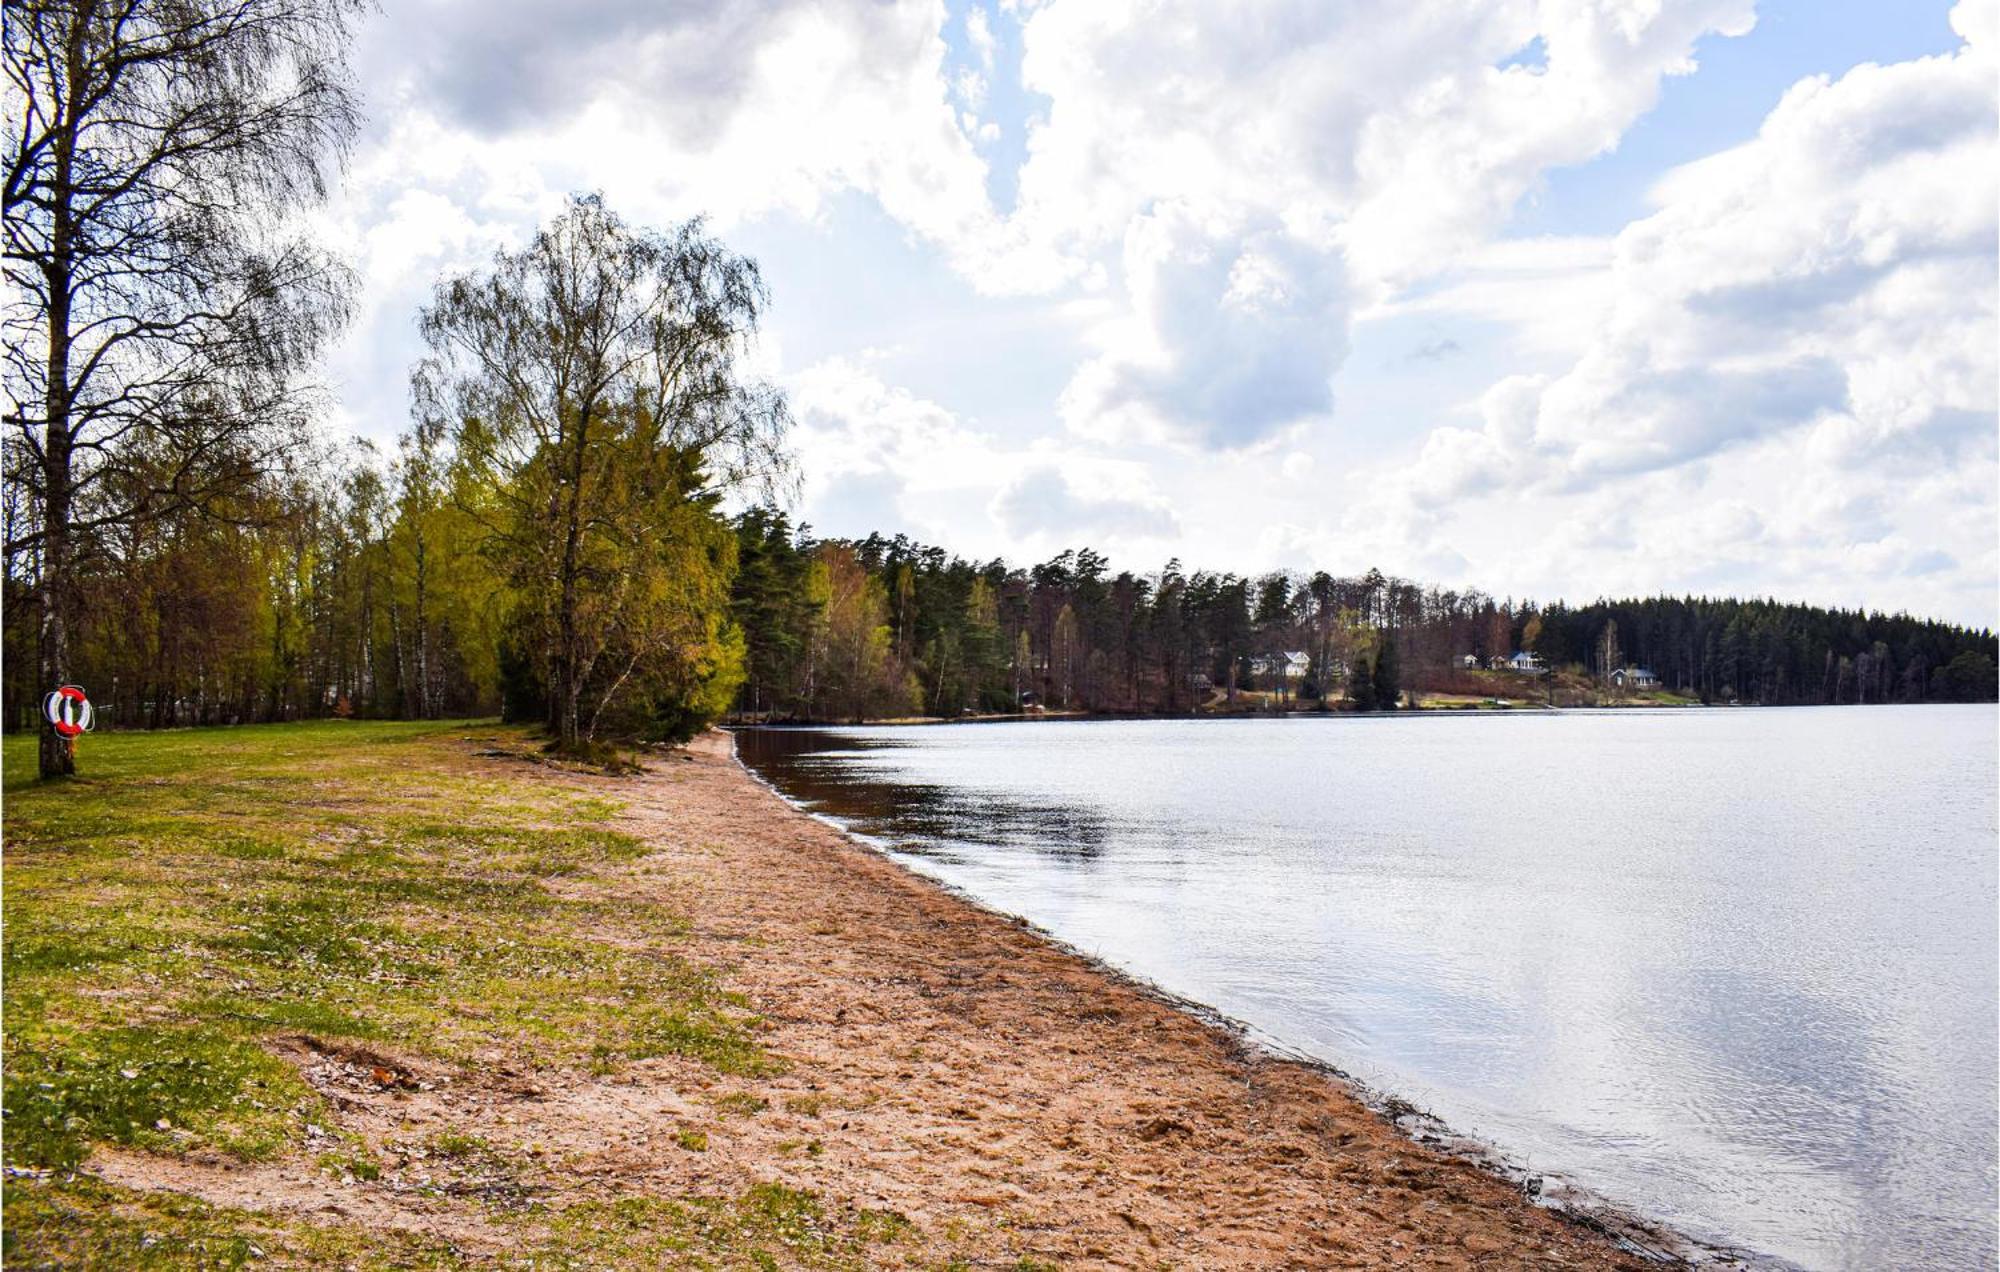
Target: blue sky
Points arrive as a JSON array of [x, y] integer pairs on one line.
[[1740, 79], [1546, 299]]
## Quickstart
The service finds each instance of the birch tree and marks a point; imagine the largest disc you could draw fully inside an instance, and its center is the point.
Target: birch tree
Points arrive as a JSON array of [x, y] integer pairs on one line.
[[160, 309], [552, 365]]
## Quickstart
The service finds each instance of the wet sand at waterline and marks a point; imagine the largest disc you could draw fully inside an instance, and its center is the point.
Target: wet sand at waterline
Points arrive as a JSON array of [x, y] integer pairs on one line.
[[1018, 1104], [991, 1081]]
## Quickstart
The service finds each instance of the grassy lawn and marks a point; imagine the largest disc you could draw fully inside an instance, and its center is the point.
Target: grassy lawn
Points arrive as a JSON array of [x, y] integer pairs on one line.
[[199, 900], [1466, 701]]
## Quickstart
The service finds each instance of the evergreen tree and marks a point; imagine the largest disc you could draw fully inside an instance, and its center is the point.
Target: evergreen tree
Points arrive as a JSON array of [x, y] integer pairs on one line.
[[1387, 674], [1361, 684]]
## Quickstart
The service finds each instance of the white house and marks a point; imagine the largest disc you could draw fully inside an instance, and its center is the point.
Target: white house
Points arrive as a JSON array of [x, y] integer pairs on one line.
[[1520, 660], [1469, 661], [1292, 666]]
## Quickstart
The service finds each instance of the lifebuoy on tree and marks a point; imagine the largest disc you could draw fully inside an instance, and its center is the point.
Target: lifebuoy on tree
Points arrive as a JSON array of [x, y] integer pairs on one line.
[[68, 711]]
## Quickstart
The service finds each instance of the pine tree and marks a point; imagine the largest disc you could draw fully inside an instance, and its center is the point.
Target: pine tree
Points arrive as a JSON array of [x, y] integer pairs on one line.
[[1388, 674], [1361, 684]]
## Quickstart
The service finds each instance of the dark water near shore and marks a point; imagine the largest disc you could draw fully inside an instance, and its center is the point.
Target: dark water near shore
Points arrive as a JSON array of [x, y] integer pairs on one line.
[[1734, 970]]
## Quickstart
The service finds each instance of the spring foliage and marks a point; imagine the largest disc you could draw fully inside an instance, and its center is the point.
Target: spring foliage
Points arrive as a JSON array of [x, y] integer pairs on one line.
[[546, 539]]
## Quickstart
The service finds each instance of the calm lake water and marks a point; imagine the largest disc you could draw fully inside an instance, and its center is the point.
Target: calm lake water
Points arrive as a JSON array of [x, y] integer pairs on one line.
[[1733, 970]]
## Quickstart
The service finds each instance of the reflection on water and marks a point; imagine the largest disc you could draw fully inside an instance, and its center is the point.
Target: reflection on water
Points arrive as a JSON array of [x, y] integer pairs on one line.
[[832, 774], [1735, 970]]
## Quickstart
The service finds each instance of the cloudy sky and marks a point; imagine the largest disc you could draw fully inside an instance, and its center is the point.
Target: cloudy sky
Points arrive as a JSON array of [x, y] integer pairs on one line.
[[1556, 298]]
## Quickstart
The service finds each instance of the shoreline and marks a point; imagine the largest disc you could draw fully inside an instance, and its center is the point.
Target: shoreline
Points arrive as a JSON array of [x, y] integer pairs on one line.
[[1417, 713], [1493, 1218], [1568, 1200], [464, 1003]]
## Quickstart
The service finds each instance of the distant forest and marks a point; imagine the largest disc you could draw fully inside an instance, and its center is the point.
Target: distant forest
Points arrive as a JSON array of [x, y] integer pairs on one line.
[[373, 590], [887, 627]]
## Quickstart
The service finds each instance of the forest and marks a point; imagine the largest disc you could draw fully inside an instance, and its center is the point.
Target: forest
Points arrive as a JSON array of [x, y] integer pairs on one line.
[[368, 585], [583, 522], [885, 627]]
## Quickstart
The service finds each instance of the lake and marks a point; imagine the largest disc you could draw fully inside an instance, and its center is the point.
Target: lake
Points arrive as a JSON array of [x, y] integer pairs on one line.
[[1733, 970]]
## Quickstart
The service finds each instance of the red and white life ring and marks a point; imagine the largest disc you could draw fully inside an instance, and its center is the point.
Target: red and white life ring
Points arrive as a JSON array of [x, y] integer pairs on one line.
[[69, 711]]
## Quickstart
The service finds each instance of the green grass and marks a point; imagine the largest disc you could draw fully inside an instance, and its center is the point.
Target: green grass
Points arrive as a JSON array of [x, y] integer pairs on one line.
[[145, 1087], [740, 1104], [87, 1224], [767, 1226], [194, 896], [195, 892]]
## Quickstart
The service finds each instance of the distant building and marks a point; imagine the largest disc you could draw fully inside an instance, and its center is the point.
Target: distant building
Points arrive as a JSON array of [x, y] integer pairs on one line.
[[1520, 660], [1289, 667], [1469, 661], [1635, 678]]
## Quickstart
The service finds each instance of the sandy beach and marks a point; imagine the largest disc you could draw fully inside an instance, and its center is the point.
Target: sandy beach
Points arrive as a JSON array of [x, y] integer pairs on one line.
[[989, 1079]]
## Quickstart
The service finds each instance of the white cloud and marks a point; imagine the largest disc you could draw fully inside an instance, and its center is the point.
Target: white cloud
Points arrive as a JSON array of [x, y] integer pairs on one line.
[[1233, 338], [876, 456], [1266, 167], [727, 107], [1385, 126], [1550, 293], [1793, 385], [1833, 278], [1330, 151], [979, 33], [1785, 375], [1045, 504], [851, 423]]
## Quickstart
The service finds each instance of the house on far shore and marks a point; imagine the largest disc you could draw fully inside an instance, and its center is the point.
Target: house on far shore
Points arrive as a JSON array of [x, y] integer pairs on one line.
[[1635, 678], [1291, 667], [1520, 660], [1469, 661]]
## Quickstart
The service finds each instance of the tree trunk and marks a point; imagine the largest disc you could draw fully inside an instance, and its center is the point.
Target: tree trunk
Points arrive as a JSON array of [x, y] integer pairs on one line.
[[58, 753], [569, 674], [425, 708], [402, 667], [365, 692]]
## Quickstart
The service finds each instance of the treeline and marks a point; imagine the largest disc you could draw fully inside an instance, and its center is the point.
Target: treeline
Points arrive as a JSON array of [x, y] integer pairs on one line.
[[337, 589], [370, 585], [544, 543], [886, 627], [1767, 652], [358, 584]]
